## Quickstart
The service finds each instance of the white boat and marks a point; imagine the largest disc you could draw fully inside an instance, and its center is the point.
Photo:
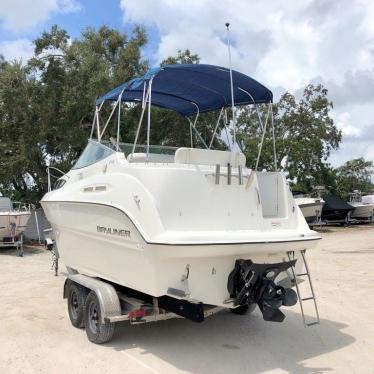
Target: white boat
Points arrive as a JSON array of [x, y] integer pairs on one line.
[[367, 199], [13, 221], [311, 207], [364, 206], [185, 223]]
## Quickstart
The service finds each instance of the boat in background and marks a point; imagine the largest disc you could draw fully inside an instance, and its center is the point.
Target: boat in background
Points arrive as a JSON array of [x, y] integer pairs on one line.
[[364, 206], [336, 210], [13, 221], [368, 199], [311, 207]]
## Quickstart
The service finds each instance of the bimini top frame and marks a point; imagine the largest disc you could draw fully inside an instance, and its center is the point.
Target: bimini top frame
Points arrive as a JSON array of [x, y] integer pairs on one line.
[[189, 89]]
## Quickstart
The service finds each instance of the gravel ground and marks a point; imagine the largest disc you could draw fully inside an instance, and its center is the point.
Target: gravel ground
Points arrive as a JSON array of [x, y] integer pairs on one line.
[[37, 337]]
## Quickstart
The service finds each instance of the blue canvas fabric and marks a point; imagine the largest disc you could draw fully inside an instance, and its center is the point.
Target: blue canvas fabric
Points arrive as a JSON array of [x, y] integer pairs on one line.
[[183, 87]]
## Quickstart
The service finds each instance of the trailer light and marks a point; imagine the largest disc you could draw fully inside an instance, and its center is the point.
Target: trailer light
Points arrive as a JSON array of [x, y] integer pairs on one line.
[[138, 313]]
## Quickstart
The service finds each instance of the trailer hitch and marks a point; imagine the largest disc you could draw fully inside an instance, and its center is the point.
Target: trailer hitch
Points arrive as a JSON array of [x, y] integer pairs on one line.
[[250, 283]]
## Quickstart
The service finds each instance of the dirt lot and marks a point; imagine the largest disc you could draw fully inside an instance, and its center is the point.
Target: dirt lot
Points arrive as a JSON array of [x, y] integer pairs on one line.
[[36, 335]]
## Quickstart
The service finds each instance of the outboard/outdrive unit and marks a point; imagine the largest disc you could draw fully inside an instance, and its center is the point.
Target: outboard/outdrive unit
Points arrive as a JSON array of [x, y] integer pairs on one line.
[[252, 283]]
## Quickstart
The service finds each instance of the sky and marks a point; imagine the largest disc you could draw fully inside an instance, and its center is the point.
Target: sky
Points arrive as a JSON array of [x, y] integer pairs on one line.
[[283, 44]]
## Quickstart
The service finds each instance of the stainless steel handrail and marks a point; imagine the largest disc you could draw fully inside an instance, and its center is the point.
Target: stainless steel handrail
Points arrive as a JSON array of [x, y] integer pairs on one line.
[[54, 176]]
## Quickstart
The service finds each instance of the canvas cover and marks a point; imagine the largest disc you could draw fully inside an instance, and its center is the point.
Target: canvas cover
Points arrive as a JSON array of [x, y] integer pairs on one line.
[[192, 88], [333, 202]]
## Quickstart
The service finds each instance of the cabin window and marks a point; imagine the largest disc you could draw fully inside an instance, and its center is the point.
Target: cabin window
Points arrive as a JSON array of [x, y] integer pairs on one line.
[[94, 152], [59, 183]]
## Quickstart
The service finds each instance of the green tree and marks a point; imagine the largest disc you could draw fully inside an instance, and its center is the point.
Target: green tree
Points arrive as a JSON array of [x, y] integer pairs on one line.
[[182, 57], [17, 113], [305, 136], [46, 107], [355, 174]]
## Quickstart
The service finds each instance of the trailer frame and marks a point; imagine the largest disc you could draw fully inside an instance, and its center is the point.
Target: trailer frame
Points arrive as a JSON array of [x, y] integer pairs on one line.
[[14, 241], [118, 306]]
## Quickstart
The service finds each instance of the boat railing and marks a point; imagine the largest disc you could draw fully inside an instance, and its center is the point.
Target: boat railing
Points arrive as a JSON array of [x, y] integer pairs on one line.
[[20, 206], [51, 175], [355, 196]]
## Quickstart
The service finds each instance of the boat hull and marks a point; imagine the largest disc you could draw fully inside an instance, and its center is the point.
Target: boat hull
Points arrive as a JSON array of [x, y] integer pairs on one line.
[[311, 211], [12, 224], [101, 241], [363, 211]]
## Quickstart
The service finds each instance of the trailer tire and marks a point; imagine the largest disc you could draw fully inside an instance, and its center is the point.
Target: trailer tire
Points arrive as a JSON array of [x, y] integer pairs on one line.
[[97, 332], [76, 300], [243, 309]]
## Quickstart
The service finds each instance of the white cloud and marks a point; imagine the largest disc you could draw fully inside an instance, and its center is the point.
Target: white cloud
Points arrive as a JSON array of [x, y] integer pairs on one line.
[[358, 140], [19, 49], [343, 123], [369, 154], [20, 15], [283, 44]]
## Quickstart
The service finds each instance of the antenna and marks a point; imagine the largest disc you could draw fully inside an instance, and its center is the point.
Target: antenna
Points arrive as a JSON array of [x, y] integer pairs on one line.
[[227, 24]]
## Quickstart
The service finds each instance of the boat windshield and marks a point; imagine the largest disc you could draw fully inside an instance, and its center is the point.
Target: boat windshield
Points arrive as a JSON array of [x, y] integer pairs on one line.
[[155, 149], [127, 148], [93, 152]]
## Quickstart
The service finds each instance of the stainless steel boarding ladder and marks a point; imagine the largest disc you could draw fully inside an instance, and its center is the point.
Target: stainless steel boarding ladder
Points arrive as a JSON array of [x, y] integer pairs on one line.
[[291, 256]]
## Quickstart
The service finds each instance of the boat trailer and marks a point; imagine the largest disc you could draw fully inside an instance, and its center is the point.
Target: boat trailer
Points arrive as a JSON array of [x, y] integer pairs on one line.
[[97, 304]]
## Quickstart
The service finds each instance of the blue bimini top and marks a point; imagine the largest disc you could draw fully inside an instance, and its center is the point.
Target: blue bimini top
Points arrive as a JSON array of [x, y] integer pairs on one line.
[[192, 88]]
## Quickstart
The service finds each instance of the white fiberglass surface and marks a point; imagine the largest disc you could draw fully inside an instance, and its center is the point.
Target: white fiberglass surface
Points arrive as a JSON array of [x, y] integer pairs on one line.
[[369, 199], [273, 194], [308, 200], [182, 199], [363, 210]]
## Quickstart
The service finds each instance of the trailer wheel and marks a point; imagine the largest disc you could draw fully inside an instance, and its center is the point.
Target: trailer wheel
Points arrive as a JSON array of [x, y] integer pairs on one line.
[[244, 309], [97, 332], [76, 299]]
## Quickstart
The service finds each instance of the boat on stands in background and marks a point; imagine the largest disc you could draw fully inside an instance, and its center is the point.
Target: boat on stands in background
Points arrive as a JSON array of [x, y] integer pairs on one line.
[[310, 206], [363, 206], [336, 210], [13, 221]]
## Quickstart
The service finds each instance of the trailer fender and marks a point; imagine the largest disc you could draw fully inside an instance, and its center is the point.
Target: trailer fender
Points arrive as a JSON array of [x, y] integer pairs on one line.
[[107, 295]]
